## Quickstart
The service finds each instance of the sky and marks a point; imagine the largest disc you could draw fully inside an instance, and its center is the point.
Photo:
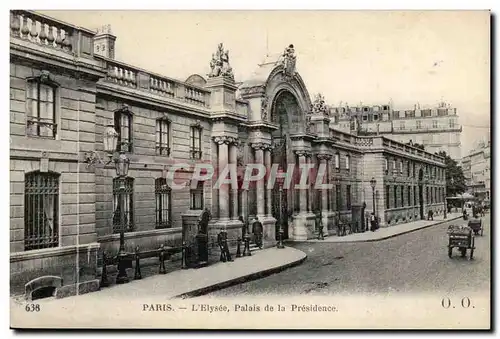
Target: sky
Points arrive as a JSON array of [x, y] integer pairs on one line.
[[348, 56]]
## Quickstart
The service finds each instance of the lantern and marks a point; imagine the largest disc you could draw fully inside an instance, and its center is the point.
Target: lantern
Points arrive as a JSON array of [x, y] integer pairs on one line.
[[373, 182], [110, 139], [121, 165]]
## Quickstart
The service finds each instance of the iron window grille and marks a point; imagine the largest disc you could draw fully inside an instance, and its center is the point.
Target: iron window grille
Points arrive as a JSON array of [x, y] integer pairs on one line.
[[387, 197], [41, 210], [41, 101], [163, 197], [123, 125], [408, 190], [395, 191], [348, 196], [338, 197], [163, 137], [196, 196], [128, 205], [402, 196], [415, 196], [196, 132]]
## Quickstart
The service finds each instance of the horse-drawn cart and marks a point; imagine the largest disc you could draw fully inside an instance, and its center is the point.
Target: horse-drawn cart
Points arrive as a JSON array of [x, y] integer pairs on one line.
[[461, 237], [476, 225]]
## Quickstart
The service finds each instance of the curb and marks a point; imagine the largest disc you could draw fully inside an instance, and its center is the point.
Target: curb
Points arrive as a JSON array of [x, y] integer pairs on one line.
[[239, 280], [388, 236]]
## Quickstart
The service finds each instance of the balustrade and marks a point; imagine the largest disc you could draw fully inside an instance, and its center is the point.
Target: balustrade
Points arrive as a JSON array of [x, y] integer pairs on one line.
[[51, 33]]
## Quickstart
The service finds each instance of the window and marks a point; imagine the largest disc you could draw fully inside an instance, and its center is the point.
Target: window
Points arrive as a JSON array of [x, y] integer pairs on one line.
[[387, 197], [348, 196], [434, 124], [414, 171], [386, 108], [427, 195], [197, 202], [408, 169], [337, 197], [401, 166], [402, 196], [365, 109], [125, 187], [163, 197], [415, 203], [41, 107], [365, 117], [426, 112], [419, 124], [41, 210], [394, 166], [163, 137], [123, 125], [196, 131], [386, 166], [375, 117], [402, 125], [451, 123], [348, 162], [337, 161], [408, 191], [410, 114], [395, 196]]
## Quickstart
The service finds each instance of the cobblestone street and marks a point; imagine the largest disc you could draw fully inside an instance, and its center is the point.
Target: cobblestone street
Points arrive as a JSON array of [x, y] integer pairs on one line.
[[413, 262]]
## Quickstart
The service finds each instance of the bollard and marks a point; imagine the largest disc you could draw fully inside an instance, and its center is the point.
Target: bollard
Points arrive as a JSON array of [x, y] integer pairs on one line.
[[184, 264], [226, 248], [162, 260], [220, 242], [137, 274], [104, 275], [238, 248]]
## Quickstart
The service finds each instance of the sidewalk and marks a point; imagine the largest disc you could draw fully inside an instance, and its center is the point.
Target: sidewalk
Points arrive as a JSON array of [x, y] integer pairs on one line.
[[389, 232], [193, 282]]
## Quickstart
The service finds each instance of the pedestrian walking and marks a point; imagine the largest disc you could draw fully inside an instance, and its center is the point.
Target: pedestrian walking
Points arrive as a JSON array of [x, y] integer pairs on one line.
[[373, 222]]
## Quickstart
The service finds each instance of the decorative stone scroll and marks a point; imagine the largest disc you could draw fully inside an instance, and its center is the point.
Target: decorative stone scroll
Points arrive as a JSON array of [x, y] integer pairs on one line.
[[219, 64], [264, 109]]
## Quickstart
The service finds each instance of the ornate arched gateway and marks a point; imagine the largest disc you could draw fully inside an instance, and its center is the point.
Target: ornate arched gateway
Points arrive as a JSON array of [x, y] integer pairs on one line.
[[283, 124]]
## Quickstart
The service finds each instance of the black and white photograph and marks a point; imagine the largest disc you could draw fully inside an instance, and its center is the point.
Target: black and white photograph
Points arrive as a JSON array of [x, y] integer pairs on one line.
[[250, 169]]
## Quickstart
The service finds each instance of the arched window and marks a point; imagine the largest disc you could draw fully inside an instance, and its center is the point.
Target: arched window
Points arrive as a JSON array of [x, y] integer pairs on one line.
[[125, 187], [41, 106], [41, 210], [163, 197]]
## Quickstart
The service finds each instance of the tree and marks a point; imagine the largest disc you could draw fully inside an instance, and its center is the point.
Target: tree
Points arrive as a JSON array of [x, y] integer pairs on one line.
[[455, 179]]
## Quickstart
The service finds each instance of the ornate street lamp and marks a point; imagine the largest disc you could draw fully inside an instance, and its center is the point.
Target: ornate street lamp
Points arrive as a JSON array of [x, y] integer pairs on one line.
[[247, 236], [280, 181], [122, 162]]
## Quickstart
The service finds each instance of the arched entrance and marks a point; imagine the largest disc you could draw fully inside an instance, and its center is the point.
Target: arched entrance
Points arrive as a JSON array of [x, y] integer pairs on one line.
[[421, 192], [284, 106]]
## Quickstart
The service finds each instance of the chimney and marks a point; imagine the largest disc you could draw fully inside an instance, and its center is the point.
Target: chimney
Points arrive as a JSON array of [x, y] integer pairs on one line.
[[104, 42]]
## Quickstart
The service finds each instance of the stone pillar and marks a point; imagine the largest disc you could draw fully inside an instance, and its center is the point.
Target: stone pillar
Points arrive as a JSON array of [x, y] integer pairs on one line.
[[233, 155], [267, 160], [323, 158], [310, 189], [259, 159], [223, 189], [303, 192]]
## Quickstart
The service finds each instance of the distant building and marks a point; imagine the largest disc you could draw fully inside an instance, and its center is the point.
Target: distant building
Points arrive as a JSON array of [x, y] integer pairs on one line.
[[476, 167], [436, 128]]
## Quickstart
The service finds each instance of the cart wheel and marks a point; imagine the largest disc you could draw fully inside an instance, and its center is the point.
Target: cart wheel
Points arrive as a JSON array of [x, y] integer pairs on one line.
[[450, 249], [463, 251], [471, 253]]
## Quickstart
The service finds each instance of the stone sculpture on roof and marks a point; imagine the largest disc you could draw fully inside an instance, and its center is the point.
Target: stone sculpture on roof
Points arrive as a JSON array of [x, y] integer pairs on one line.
[[219, 65], [288, 60]]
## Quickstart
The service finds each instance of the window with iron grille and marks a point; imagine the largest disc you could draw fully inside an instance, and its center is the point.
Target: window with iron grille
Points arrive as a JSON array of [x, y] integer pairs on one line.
[[41, 107], [348, 196], [197, 202], [123, 188], [408, 190], [402, 196], [387, 197], [41, 210], [415, 203], [196, 142], [395, 190], [123, 125], [163, 197], [163, 137], [338, 197]]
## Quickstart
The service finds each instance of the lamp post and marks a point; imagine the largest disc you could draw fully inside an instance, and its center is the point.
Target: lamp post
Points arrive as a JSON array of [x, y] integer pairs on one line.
[[246, 236], [121, 162], [373, 183], [280, 180]]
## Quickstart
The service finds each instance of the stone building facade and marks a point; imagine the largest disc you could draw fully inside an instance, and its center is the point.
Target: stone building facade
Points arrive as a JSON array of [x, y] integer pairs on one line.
[[66, 87], [436, 127], [477, 170]]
